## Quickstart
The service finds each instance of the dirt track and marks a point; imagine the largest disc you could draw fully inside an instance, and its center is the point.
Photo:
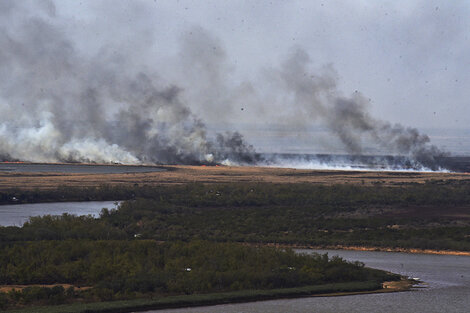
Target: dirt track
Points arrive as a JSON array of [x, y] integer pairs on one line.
[[220, 174]]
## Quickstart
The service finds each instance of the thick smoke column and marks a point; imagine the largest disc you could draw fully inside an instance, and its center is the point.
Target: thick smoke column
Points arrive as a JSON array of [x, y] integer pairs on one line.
[[347, 117], [58, 105]]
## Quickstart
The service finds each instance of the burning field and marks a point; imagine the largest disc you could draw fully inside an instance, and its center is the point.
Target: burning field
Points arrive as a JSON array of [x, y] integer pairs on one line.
[[180, 174], [64, 104], [227, 127]]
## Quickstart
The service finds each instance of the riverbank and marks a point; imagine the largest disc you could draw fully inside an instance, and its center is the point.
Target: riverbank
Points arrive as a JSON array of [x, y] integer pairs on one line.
[[326, 290], [446, 289], [381, 249], [403, 250], [8, 288]]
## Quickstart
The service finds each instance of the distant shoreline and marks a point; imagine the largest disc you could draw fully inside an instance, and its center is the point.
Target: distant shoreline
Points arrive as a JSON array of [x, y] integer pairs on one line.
[[378, 249]]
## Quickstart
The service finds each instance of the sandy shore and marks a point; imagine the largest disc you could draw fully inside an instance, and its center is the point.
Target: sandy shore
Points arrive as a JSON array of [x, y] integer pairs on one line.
[[383, 249], [403, 250], [389, 286]]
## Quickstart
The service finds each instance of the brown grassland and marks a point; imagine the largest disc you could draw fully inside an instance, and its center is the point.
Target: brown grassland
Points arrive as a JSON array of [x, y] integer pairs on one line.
[[178, 174]]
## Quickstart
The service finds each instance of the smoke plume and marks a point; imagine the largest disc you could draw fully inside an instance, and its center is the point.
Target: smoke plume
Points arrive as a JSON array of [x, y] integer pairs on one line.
[[58, 103], [348, 117]]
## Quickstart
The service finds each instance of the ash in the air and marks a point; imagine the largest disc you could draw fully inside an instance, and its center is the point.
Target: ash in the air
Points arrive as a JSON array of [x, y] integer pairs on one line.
[[60, 104]]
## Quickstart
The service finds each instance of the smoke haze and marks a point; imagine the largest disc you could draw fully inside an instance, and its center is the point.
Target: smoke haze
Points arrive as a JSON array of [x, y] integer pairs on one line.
[[59, 105], [115, 103]]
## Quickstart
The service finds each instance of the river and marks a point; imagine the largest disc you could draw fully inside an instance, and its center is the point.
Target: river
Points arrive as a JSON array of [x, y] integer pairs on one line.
[[447, 278], [18, 214]]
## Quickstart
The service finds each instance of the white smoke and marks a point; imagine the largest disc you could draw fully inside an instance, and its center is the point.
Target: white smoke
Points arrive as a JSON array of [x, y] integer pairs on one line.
[[58, 103]]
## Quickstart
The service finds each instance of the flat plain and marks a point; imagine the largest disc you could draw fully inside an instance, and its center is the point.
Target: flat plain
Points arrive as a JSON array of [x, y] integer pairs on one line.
[[180, 174]]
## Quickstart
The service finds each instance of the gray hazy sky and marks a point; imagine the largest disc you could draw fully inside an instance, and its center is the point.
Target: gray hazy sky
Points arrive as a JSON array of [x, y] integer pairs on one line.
[[411, 58], [401, 62]]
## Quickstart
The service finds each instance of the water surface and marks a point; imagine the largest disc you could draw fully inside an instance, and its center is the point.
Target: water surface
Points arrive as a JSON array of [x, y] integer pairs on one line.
[[18, 214], [77, 168]]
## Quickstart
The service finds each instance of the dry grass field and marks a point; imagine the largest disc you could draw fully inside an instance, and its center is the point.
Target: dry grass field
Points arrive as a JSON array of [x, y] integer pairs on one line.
[[220, 174]]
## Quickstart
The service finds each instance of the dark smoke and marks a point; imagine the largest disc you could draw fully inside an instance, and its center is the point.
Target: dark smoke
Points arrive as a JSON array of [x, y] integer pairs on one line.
[[231, 146], [58, 103], [348, 118], [351, 122]]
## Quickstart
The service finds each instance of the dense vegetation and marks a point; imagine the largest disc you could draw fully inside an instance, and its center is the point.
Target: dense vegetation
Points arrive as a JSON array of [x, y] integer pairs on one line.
[[153, 303], [266, 213], [204, 239], [130, 269], [239, 194]]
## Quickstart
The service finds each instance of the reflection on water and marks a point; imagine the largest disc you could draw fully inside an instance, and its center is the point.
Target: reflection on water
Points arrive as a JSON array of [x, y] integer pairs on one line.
[[18, 214], [448, 278]]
